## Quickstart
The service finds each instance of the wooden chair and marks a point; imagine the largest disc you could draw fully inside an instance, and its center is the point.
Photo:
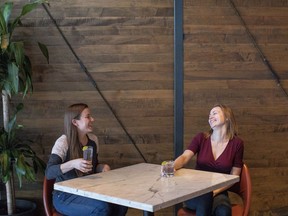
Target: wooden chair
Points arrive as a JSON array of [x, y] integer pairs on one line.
[[47, 198], [242, 188]]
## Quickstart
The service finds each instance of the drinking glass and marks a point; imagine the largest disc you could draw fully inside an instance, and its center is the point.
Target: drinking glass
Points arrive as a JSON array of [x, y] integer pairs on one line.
[[88, 153], [167, 168]]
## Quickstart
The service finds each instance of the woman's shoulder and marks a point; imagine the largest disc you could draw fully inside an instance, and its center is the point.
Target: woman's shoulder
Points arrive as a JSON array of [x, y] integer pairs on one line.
[[93, 137], [201, 135], [62, 138], [237, 142], [200, 138], [60, 147]]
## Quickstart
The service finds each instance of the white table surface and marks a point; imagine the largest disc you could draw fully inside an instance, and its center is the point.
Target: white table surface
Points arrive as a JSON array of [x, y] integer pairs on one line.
[[140, 186]]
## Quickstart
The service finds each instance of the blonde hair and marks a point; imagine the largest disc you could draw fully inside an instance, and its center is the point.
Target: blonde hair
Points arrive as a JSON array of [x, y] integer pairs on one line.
[[231, 125]]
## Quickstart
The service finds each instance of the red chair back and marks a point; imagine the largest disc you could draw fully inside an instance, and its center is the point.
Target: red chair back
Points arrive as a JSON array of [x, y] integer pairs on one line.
[[242, 188], [48, 187]]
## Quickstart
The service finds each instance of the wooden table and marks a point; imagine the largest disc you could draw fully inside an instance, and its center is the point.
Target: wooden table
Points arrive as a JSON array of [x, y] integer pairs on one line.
[[141, 187]]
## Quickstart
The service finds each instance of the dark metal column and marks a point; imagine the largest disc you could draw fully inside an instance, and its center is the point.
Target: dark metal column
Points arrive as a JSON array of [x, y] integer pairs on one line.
[[178, 78], [178, 82]]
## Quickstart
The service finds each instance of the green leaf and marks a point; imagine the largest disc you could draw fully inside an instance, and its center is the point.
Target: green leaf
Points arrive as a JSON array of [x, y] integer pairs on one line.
[[7, 88], [5, 178], [44, 51], [38, 163], [3, 29], [13, 77], [4, 17], [20, 165], [19, 179], [18, 49], [3, 138], [7, 9], [14, 52], [27, 80], [30, 175], [29, 7], [25, 9], [5, 163], [11, 125]]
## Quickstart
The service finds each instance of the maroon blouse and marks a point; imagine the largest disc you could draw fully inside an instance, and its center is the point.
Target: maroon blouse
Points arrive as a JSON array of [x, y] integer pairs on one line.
[[232, 155]]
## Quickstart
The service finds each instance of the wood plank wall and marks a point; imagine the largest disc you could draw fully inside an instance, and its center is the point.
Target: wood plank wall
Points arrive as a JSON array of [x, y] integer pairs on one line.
[[127, 46], [222, 65]]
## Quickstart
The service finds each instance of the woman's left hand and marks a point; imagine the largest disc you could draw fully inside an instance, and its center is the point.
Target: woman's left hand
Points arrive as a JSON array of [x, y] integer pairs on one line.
[[103, 168]]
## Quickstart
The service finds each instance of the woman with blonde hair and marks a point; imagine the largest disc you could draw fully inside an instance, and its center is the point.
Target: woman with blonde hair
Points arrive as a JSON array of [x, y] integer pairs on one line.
[[218, 150]]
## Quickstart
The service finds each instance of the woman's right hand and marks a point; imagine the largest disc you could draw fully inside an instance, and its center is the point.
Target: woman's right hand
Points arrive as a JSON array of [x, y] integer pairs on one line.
[[82, 165], [79, 164]]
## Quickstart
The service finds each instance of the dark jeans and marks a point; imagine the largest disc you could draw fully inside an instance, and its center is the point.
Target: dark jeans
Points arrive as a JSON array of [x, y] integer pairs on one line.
[[207, 205], [70, 204]]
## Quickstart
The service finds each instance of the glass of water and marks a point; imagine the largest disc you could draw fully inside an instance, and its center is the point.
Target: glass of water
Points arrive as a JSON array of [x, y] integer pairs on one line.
[[167, 168], [88, 153]]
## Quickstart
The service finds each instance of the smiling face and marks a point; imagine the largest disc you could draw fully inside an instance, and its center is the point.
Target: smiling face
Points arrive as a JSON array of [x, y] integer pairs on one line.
[[85, 123], [216, 117]]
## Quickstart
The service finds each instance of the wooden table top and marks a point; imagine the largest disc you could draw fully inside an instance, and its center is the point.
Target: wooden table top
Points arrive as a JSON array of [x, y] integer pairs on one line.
[[140, 186]]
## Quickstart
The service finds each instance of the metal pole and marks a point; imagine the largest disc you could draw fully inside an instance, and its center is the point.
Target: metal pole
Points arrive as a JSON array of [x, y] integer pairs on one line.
[[178, 82], [178, 78]]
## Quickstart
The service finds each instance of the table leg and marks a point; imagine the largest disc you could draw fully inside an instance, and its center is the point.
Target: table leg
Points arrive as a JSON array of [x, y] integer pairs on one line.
[[147, 213]]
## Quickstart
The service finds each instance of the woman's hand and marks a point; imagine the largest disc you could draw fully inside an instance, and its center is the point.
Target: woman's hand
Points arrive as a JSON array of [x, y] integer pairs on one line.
[[82, 165], [103, 168], [79, 164]]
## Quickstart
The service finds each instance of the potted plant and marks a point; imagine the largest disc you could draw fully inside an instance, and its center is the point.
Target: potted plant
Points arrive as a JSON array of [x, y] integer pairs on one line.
[[15, 77], [16, 157]]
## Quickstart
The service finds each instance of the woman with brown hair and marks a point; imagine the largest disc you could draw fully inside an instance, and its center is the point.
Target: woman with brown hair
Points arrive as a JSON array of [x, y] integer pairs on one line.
[[218, 150], [66, 162]]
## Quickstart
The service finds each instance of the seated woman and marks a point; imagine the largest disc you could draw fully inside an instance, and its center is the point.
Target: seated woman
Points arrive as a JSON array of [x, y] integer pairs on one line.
[[218, 150], [66, 162]]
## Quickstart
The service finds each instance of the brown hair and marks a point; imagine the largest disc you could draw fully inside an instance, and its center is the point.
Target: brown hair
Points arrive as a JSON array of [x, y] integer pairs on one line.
[[231, 125], [70, 130]]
